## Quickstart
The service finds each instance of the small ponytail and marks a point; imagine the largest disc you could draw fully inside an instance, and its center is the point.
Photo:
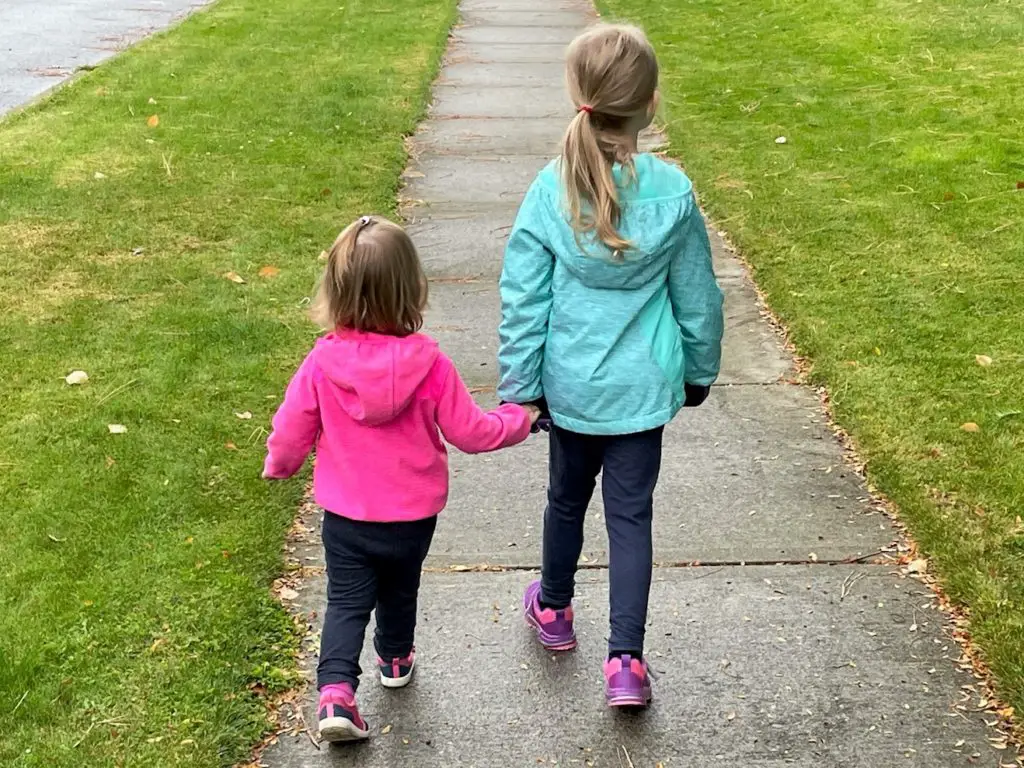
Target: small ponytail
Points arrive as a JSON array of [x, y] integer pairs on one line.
[[612, 75]]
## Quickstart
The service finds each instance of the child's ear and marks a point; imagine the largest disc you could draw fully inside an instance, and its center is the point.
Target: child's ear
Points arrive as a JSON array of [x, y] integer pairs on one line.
[[652, 108]]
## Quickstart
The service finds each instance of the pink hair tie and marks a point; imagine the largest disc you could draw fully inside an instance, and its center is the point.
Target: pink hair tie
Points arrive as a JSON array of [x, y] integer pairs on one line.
[[585, 108]]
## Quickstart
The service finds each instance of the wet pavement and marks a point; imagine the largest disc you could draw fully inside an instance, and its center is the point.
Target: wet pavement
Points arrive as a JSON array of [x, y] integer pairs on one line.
[[42, 44]]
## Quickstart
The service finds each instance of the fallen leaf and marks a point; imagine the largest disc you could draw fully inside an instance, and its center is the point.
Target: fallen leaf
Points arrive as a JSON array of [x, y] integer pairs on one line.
[[110, 462], [269, 271], [157, 643], [230, 446], [234, 277], [948, 196], [153, 121], [983, 360], [189, 539], [386, 730], [76, 377], [918, 566], [244, 415], [88, 603], [117, 429], [323, 256], [325, 192], [287, 593], [877, 351], [1020, 185], [970, 426]]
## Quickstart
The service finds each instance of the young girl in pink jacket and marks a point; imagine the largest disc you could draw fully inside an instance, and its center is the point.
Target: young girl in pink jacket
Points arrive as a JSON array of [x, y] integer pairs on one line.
[[375, 397]]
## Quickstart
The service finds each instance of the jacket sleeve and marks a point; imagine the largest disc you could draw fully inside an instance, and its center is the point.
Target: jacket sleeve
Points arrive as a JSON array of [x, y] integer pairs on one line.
[[468, 427], [295, 425], [697, 300], [525, 302]]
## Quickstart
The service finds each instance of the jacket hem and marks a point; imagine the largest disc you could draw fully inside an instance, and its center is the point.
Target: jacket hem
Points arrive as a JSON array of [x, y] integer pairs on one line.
[[618, 427]]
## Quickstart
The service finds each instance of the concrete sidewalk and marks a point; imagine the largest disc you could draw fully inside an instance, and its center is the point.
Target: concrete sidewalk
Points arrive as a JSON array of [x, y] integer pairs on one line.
[[780, 631], [42, 44]]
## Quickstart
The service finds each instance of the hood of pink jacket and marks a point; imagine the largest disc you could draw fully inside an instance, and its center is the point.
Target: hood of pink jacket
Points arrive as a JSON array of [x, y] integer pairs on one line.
[[376, 375]]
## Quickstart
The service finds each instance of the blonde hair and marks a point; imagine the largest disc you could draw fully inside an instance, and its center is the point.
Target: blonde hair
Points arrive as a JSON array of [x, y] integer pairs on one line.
[[373, 281], [612, 76]]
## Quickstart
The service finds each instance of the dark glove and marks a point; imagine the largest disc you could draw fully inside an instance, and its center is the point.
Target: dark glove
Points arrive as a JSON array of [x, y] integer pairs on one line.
[[695, 395], [544, 422]]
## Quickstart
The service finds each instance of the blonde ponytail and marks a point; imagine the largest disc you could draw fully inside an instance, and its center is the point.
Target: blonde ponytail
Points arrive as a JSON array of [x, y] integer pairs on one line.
[[612, 75]]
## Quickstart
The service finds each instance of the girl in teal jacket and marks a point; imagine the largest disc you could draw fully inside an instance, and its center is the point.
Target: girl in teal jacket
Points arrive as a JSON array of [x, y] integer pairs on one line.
[[612, 317]]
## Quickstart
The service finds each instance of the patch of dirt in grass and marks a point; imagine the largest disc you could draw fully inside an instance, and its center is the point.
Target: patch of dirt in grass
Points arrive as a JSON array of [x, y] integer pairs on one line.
[[51, 294], [27, 236], [95, 167]]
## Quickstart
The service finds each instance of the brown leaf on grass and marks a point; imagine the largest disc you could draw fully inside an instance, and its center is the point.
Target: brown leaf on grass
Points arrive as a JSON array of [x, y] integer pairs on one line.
[[234, 277], [230, 446], [948, 196], [918, 566], [970, 426], [1020, 185], [322, 256], [110, 462], [983, 360], [287, 593], [153, 121], [269, 271]]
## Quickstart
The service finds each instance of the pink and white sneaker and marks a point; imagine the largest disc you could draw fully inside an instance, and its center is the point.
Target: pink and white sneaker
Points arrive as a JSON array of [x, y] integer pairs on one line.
[[339, 714], [397, 673]]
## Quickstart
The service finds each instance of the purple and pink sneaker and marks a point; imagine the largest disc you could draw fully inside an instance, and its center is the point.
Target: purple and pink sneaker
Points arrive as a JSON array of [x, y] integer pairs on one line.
[[554, 627], [627, 683], [398, 672], [339, 716]]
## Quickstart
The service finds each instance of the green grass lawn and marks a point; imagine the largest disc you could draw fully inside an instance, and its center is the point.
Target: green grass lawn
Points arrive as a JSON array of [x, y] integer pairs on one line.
[[888, 233], [136, 623]]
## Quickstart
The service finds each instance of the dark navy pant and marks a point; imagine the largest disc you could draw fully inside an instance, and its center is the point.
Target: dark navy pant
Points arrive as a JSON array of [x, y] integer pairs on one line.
[[370, 566], [630, 465]]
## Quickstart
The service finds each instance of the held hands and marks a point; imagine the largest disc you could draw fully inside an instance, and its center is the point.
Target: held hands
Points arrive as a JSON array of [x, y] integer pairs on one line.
[[533, 412]]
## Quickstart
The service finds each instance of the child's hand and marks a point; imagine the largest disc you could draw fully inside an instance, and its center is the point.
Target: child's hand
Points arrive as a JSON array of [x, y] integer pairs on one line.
[[533, 412]]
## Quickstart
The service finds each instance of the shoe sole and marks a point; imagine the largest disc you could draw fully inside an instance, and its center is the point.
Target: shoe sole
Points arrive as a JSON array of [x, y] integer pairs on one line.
[[398, 682], [569, 645], [630, 702], [338, 729]]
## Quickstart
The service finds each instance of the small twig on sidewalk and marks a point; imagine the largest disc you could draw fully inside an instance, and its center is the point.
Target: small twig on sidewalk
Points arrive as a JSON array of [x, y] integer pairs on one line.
[[862, 558], [629, 761], [848, 584], [305, 728]]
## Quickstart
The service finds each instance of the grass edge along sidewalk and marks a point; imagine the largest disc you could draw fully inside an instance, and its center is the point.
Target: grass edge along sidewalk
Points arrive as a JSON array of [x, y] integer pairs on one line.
[[160, 219], [867, 161]]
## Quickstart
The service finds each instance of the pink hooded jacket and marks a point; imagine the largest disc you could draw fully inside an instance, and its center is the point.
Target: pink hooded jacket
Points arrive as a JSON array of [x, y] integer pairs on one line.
[[375, 407]]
